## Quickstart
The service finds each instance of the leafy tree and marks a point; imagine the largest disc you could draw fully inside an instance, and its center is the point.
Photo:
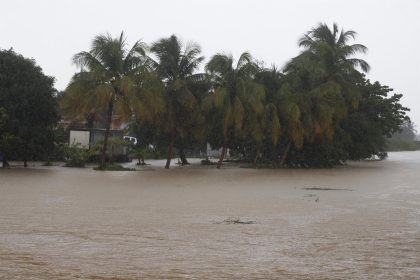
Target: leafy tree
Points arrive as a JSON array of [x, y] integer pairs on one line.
[[377, 118], [107, 82], [29, 110]]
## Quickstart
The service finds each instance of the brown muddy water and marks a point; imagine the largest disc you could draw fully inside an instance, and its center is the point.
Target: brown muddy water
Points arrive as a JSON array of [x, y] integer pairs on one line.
[[360, 221]]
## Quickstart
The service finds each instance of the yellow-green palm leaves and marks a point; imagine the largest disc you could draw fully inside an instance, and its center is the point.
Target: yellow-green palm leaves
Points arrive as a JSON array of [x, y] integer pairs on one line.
[[176, 67], [331, 50], [236, 95], [106, 82], [322, 81]]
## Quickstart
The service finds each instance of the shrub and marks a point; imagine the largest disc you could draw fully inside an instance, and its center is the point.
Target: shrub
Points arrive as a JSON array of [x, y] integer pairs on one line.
[[76, 156]]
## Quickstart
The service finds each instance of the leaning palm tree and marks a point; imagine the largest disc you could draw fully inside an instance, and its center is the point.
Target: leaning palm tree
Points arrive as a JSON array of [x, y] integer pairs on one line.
[[234, 90], [176, 66], [106, 82]]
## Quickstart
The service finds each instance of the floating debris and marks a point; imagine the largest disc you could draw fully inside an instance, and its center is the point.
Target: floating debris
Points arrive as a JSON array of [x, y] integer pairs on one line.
[[235, 221], [325, 189]]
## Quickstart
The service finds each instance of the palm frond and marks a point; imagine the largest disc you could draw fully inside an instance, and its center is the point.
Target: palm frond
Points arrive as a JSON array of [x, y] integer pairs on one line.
[[244, 59]]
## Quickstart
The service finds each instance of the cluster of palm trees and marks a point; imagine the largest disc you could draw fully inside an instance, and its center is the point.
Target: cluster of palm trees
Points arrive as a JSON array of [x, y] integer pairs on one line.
[[237, 104]]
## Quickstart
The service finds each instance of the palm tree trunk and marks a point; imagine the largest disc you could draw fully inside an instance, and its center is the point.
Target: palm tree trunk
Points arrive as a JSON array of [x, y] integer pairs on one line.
[[257, 155], [284, 156], [222, 156], [106, 136], [170, 150]]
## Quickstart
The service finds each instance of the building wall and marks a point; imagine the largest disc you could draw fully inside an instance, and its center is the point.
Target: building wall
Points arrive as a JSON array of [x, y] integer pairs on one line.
[[79, 137]]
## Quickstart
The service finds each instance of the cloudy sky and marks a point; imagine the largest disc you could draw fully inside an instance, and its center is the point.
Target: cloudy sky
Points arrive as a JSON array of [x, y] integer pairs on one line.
[[52, 31]]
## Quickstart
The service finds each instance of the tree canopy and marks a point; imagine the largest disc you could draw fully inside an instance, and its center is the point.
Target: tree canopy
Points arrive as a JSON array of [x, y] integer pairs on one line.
[[28, 108], [319, 110]]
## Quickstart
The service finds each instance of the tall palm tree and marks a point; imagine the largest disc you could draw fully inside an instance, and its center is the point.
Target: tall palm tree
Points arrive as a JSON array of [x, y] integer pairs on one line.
[[322, 79], [106, 80], [176, 66], [330, 50], [234, 89]]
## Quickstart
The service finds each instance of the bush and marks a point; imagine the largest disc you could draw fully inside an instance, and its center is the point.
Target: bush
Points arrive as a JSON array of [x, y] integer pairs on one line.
[[76, 156]]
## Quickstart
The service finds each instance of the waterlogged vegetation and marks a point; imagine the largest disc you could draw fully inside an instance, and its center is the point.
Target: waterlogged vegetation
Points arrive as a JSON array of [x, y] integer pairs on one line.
[[318, 111]]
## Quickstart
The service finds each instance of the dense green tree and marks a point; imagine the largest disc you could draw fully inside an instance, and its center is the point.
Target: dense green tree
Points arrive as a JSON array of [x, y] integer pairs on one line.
[[107, 82], [29, 110], [377, 118]]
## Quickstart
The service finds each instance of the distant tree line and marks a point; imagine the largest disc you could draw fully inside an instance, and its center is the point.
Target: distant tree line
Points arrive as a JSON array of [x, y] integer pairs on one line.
[[405, 139], [318, 111]]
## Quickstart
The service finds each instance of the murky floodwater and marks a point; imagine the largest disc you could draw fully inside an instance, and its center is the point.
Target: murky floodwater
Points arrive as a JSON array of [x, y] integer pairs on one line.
[[362, 223]]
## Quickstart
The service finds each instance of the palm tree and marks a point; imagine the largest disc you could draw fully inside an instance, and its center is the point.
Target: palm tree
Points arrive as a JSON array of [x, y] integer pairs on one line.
[[234, 89], [176, 65], [268, 128], [321, 81], [329, 50], [106, 81]]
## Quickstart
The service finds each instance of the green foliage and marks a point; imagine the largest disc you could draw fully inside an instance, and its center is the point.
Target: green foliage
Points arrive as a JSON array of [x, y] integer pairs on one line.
[[175, 67], [114, 145], [76, 156], [141, 154], [318, 112], [107, 83], [28, 108]]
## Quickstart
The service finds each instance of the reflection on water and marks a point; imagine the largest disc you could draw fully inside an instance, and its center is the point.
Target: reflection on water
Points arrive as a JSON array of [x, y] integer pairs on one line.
[[61, 223]]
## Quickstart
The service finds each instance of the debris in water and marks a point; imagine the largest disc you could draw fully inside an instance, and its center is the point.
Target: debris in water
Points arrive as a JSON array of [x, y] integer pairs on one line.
[[325, 189], [235, 221]]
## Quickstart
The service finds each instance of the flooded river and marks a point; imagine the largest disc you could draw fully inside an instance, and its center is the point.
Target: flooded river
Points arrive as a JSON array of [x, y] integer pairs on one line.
[[360, 221]]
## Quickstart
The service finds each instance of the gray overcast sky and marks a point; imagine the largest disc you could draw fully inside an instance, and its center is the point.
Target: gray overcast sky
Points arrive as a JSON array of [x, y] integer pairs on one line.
[[51, 31]]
